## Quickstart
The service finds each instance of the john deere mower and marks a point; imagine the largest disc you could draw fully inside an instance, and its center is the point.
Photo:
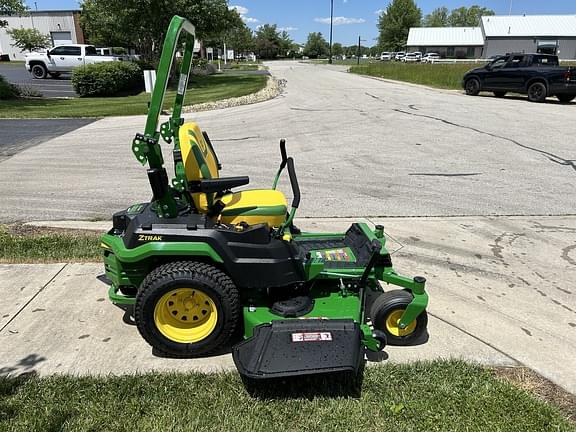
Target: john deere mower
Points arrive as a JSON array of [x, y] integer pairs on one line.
[[202, 264]]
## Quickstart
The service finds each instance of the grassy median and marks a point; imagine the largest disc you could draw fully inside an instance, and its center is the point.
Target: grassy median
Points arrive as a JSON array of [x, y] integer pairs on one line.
[[28, 244], [427, 396], [446, 76], [202, 89]]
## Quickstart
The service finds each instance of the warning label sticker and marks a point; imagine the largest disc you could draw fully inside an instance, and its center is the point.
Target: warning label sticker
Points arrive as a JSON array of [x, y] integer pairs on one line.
[[334, 255], [312, 337]]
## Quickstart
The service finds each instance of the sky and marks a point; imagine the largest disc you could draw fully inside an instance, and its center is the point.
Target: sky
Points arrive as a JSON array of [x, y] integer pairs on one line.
[[352, 18]]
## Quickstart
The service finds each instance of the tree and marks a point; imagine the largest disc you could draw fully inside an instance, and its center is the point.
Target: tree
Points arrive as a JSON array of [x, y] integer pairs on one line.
[[468, 17], [337, 49], [437, 18], [142, 24], [241, 39], [237, 36], [395, 22], [267, 41], [316, 45], [286, 43], [11, 7], [29, 39]]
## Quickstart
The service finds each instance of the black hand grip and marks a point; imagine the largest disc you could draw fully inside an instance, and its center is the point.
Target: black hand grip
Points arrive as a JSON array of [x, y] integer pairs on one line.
[[294, 183], [283, 153]]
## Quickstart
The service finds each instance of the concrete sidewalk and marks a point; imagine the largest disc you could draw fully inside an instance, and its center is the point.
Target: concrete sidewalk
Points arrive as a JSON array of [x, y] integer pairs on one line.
[[501, 294]]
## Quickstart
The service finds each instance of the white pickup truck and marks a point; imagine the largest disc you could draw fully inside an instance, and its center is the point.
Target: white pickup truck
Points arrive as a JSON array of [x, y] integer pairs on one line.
[[63, 58]]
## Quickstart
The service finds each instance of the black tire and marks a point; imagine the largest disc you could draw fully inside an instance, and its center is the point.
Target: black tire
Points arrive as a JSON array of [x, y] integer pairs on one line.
[[565, 98], [198, 277], [54, 74], [392, 302], [499, 94], [39, 71], [472, 86], [537, 92]]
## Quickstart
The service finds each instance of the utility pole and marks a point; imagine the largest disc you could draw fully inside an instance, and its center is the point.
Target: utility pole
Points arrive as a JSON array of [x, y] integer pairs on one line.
[[358, 53], [331, 19]]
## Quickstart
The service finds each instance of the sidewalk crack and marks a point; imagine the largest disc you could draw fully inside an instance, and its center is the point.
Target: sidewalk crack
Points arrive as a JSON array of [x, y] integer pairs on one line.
[[33, 297]]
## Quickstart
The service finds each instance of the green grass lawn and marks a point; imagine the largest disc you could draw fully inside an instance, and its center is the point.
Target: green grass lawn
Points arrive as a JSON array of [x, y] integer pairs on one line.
[[244, 67], [201, 89], [24, 244], [447, 76], [427, 396]]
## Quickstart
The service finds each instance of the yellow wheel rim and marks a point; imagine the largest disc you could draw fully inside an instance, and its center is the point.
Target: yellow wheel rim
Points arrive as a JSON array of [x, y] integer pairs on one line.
[[393, 320], [185, 315]]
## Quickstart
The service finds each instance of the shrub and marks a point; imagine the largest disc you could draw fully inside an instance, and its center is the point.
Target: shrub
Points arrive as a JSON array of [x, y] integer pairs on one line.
[[7, 90], [108, 79]]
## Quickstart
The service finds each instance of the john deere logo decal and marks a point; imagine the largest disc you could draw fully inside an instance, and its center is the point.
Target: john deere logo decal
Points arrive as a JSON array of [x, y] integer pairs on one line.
[[200, 143]]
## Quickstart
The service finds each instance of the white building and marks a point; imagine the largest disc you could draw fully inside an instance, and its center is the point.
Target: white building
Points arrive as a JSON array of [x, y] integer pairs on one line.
[[63, 27], [547, 34], [459, 42]]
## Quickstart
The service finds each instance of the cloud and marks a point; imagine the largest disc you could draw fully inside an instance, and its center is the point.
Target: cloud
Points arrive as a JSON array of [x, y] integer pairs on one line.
[[379, 11], [288, 29], [340, 20], [240, 9]]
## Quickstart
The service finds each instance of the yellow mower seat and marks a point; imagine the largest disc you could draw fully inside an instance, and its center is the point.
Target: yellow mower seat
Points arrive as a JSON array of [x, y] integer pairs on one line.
[[251, 206]]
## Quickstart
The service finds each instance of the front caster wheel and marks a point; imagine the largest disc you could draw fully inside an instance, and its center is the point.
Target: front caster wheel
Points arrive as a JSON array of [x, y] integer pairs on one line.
[[187, 309], [386, 312]]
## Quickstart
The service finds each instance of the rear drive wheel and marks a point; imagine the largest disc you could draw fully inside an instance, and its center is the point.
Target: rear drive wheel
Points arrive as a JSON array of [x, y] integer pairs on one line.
[[187, 309], [565, 98], [537, 92], [39, 71], [472, 87], [386, 312], [499, 94]]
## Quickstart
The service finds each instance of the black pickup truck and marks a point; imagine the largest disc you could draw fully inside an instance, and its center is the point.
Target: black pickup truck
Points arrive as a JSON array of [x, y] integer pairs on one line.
[[538, 75]]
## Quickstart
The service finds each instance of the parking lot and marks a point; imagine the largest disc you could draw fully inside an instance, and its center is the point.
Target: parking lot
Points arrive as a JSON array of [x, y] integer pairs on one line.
[[16, 73]]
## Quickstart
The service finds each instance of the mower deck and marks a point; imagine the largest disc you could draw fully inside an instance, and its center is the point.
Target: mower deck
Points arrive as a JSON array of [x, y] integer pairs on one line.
[[300, 347]]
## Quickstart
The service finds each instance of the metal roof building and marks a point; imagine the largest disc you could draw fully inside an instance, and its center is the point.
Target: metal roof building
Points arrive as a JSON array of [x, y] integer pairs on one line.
[[549, 34], [447, 41], [63, 27], [445, 36]]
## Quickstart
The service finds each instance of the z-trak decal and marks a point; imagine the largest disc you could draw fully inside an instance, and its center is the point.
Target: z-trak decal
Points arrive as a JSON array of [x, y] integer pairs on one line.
[[142, 237]]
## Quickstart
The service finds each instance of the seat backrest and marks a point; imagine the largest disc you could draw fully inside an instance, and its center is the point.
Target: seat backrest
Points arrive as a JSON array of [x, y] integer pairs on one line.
[[199, 161]]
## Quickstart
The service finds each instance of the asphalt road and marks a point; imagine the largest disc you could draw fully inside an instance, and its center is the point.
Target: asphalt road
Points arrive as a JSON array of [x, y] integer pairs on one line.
[[19, 135], [363, 147], [49, 87]]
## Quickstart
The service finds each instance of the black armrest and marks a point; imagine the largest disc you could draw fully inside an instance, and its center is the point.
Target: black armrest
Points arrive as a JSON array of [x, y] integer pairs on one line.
[[218, 185]]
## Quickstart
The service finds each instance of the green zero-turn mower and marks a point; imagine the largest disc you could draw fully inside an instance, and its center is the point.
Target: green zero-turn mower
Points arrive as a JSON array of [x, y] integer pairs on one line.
[[200, 262]]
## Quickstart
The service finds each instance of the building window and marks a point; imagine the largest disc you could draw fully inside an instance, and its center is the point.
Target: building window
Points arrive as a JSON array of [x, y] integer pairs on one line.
[[470, 52], [450, 52]]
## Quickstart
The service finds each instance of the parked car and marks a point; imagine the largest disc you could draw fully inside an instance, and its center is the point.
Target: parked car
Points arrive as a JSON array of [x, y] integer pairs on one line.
[[430, 57], [418, 55], [538, 75], [410, 58], [385, 56], [63, 58], [399, 56]]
